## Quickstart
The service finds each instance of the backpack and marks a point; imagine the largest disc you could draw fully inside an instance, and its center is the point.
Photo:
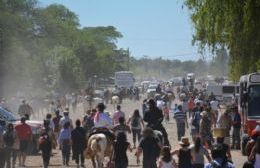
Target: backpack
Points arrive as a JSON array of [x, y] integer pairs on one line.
[[9, 139], [45, 142], [196, 119], [135, 122]]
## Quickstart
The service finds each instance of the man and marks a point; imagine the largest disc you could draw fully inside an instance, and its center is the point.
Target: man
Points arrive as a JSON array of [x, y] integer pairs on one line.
[[225, 122], [214, 106], [56, 122], [154, 118], [24, 133], [66, 118], [117, 115], [236, 123], [219, 158], [150, 147], [181, 120], [25, 110], [78, 143]]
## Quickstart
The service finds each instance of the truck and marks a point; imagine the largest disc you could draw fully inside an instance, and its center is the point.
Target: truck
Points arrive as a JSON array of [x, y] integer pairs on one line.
[[124, 79], [249, 105]]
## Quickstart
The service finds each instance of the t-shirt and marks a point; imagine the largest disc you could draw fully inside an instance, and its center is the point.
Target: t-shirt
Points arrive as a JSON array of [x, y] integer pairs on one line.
[[214, 105], [116, 116], [198, 157], [23, 131], [120, 151], [121, 128], [180, 116], [135, 122], [151, 149]]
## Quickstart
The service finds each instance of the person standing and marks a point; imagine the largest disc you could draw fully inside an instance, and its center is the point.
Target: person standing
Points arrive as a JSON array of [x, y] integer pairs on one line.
[[25, 110], [136, 122], [205, 129], [181, 121], [120, 148], [65, 143], [78, 138], [236, 124], [24, 133], [150, 147], [117, 115], [9, 141]]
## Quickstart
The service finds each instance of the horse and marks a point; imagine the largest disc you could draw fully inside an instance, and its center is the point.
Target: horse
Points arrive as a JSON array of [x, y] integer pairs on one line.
[[98, 147], [115, 100]]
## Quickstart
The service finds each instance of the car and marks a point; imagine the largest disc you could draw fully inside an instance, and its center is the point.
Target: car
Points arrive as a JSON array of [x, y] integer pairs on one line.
[[35, 125]]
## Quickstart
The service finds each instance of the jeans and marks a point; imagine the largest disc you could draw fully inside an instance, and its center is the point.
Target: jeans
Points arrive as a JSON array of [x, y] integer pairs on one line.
[[65, 153], [121, 164], [180, 129], [136, 133], [46, 158], [236, 137], [79, 155], [2, 159], [8, 155]]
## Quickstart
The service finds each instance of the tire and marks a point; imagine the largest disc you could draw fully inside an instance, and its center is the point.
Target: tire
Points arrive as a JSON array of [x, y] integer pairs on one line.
[[245, 139]]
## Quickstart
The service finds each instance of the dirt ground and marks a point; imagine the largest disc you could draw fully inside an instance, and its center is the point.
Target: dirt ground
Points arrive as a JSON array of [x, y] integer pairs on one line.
[[128, 107]]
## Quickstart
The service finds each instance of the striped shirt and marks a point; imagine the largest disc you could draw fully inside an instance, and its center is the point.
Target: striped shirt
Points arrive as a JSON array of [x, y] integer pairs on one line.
[[180, 116]]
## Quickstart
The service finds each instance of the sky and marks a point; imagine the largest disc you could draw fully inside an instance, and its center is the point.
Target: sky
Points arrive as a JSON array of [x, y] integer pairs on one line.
[[153, 28]]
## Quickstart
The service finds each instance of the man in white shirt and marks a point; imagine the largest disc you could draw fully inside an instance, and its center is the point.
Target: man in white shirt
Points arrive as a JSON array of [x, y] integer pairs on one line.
[[214, 106], [66, 118]]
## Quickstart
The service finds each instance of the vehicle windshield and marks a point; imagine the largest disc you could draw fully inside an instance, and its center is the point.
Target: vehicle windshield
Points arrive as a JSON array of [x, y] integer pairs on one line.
[[254, 101], [6, 115]]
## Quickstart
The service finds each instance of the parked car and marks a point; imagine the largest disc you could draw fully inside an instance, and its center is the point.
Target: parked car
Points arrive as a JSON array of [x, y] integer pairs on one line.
[[35, 125]]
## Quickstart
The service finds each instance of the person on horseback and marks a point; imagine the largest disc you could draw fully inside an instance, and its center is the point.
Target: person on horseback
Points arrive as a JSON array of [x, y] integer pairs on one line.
[[154, 118]]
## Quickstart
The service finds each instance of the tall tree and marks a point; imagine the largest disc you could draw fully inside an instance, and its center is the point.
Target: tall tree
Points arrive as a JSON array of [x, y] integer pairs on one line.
[[229, 23]]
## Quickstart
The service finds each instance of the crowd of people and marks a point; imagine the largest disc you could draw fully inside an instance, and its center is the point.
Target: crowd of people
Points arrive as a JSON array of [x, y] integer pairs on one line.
[[209, 122]]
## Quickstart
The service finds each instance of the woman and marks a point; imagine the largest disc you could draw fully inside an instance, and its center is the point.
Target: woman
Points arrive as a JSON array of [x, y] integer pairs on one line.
[[197, 154], [184, 153], [166, 160], [136, 123]]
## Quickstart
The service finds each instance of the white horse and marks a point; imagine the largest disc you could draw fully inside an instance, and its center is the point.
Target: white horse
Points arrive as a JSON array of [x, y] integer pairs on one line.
[[98, 148], [115, 101]]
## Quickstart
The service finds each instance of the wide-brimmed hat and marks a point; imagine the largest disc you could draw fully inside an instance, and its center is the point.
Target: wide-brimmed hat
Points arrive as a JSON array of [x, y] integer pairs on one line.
[[184, 141]]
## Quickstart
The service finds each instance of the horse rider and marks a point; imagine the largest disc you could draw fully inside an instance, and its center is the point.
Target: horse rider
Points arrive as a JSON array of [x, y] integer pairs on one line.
[[154, 118]]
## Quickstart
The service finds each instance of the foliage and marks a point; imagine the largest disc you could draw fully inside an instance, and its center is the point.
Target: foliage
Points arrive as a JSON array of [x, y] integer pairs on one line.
[[229, 23], [46, 48]]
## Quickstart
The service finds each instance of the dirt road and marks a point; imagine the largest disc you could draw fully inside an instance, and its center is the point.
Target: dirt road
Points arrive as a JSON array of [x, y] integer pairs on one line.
[[128, 107]]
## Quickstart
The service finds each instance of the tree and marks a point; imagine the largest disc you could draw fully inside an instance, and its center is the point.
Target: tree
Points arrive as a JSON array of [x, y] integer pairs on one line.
[[231, 24]]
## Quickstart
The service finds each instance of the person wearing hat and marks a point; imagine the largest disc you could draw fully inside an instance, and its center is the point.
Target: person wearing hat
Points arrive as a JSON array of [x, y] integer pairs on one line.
[[184, 153], [65, 118]]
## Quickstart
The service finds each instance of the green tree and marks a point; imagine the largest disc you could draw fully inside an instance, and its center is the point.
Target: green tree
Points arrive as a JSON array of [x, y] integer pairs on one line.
[[231, 24]]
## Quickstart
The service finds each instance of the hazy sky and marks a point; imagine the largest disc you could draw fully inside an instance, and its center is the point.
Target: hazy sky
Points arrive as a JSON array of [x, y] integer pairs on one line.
[[150, 27]]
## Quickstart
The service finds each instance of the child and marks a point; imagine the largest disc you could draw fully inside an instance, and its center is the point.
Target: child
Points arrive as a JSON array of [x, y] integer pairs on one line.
[[166, 161], [120, 147], [121, 127]]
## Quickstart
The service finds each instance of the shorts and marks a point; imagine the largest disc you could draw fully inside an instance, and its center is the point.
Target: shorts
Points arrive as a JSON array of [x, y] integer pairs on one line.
[[24, 145]]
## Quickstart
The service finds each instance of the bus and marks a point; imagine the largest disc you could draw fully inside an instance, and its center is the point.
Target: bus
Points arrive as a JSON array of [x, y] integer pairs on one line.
[[124, 79], [249, 104]]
